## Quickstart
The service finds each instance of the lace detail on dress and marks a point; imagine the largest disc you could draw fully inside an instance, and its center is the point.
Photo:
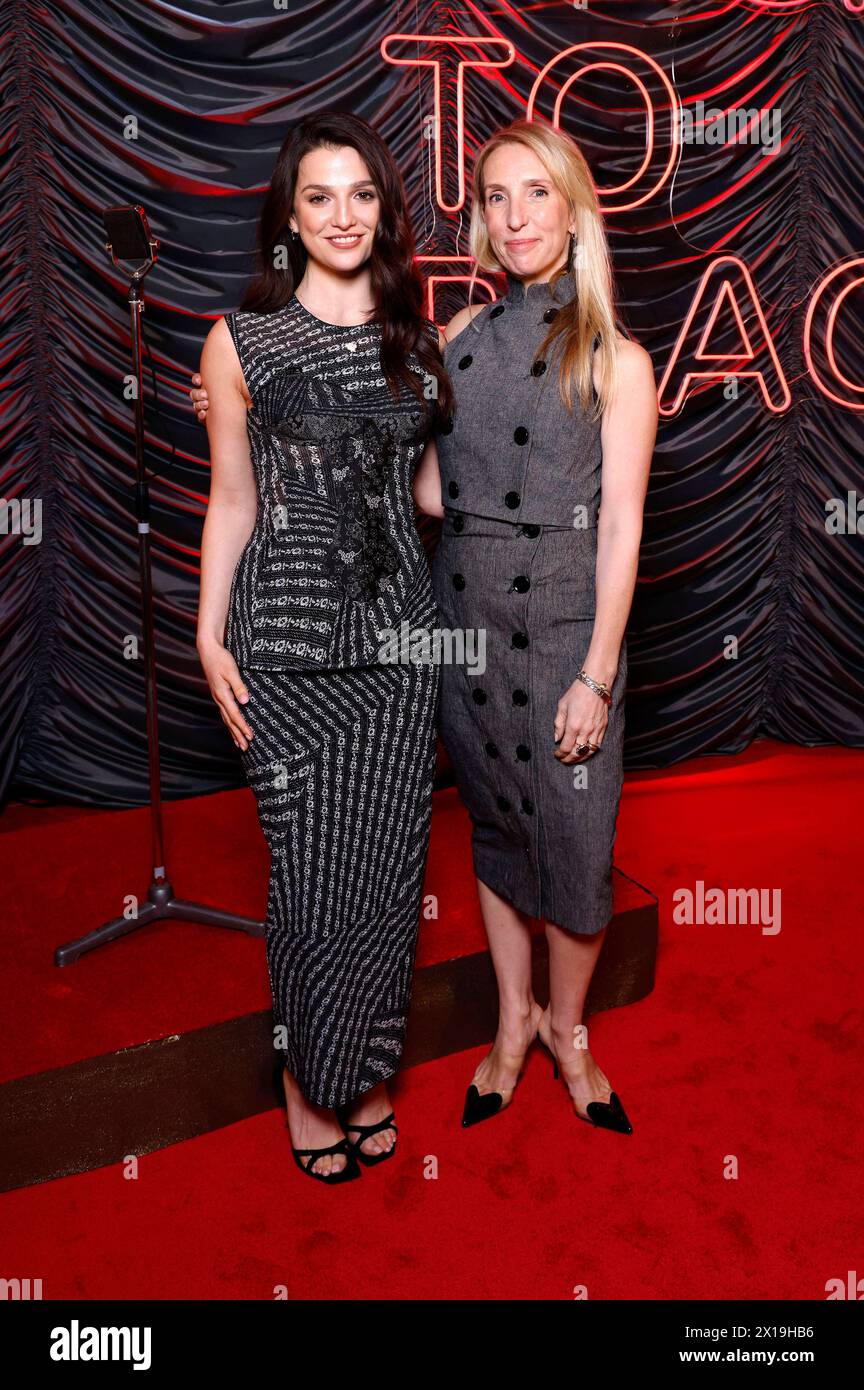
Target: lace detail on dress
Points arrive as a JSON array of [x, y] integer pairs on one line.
[[335, 555], [361, 554]]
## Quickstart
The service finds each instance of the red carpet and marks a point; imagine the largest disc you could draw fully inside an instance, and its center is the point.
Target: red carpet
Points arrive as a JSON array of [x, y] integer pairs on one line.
[[747, 1050], [137, 988]]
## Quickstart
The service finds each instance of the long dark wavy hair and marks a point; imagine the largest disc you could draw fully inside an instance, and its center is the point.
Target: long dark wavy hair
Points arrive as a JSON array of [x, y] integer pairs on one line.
[[397, 287]]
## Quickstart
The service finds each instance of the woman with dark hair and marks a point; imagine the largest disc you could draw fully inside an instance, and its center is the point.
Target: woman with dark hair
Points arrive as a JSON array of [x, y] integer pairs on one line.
[[323, 391]]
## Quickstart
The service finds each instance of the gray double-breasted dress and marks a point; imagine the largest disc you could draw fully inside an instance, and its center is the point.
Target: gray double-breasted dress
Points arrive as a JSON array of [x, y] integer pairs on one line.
[[517, 558]]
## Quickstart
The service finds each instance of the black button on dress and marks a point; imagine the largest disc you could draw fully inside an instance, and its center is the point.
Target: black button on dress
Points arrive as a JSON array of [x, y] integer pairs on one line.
[[542, 830]]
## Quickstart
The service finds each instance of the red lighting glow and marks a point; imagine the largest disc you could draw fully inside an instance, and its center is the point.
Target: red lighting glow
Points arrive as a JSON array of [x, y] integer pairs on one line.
[[548, 75], [725, 293], [501, 55]]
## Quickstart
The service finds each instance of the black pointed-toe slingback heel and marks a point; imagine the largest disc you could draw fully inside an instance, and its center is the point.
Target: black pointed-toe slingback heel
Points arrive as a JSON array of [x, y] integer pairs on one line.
[[603, 1114]]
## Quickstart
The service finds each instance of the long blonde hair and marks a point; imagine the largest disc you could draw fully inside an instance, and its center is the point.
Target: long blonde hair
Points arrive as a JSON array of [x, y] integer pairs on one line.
[[591, 309]]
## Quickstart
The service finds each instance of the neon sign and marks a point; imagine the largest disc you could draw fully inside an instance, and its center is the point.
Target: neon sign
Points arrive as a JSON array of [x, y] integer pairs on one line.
[[777, 400], [609, 64], [501, 55], [728, 274]]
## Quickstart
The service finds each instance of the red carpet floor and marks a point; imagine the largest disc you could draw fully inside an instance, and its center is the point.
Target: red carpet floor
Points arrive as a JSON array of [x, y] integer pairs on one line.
[[748, 1051]]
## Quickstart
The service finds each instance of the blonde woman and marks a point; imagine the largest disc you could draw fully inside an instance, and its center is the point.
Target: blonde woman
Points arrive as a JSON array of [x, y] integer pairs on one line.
[[543, 475]]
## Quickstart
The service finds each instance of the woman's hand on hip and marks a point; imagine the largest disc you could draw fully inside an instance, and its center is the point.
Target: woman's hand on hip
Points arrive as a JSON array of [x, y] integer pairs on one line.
[[581, 718], [227, 688]]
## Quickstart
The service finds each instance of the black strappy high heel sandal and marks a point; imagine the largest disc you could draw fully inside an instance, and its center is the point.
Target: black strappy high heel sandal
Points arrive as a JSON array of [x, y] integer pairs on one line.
[[342, 1146], [365, 1132]]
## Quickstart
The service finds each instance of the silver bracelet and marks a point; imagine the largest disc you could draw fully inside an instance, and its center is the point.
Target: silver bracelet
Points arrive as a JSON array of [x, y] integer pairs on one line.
[[597, 686]]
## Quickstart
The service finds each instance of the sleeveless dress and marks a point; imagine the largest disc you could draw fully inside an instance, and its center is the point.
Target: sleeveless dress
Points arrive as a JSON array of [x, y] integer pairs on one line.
[[517, 558], [343, 758]]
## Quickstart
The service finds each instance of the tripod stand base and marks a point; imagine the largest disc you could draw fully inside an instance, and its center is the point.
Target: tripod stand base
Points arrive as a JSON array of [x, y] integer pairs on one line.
[[161, 904]]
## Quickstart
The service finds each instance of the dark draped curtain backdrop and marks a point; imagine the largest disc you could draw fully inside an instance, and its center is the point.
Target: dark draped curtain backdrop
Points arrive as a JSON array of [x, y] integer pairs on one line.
[[183, 107]]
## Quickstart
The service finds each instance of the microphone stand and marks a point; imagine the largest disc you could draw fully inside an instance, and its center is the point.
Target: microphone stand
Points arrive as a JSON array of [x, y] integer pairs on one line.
[[161, 902]]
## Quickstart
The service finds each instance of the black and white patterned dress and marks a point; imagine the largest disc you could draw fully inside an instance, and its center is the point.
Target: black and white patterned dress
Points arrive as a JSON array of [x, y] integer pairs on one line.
[[343, 757]]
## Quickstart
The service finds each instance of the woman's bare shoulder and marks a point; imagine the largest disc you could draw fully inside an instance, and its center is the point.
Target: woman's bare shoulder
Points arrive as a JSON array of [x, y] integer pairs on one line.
[[220, 364], [219, 343], [633, 360], [630, 351]]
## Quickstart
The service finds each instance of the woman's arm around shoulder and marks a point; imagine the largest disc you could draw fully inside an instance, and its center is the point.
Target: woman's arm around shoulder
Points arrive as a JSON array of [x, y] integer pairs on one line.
[[220, 365], [427, 478], [426, 487], [218, 344]]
